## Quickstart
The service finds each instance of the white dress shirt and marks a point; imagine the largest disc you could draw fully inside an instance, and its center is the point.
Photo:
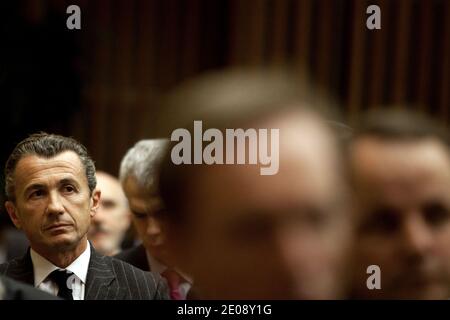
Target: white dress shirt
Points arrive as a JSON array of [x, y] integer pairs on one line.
[[42, 269], [158, 267]]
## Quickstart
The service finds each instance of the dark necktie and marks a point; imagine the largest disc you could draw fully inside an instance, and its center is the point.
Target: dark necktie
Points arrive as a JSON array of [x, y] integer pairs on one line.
[[60, 277]]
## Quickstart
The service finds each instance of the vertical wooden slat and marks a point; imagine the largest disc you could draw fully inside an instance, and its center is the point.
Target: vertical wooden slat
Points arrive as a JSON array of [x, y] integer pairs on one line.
[[191, 38], [256, 39], [302, 25], [146, 12], [248, 32], [325, 43], [77, 123], [444, 99], [170, 32], [168, 38], [145, 43], [123, 91], [234, 54], [98, 92], [402, 30], [356, 84], [279, 31], [378, 65], [423, 71]]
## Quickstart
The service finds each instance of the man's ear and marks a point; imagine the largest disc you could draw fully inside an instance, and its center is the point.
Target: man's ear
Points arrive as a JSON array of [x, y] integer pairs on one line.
[[12, 212], [95, 202]]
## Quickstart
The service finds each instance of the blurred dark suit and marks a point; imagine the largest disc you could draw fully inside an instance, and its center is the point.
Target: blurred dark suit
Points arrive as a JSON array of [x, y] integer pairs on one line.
[[13, 244], [14, 290], [135, 256]]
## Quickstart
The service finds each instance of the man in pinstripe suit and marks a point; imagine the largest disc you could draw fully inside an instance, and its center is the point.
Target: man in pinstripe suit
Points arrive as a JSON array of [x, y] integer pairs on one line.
[[50, 185]]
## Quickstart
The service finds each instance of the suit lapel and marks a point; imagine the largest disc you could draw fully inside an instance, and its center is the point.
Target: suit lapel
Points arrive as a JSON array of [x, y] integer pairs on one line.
[[100, 284]]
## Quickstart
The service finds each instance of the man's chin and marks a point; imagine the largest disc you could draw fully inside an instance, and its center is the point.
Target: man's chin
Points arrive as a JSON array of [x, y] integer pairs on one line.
[[63, 242]]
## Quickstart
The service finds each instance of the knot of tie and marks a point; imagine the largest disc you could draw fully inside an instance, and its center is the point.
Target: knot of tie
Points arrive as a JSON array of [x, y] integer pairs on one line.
[[173, 280], [61, 278]]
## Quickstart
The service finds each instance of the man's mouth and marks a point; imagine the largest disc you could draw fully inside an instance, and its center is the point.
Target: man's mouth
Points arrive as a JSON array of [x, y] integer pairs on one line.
[[57, 226]]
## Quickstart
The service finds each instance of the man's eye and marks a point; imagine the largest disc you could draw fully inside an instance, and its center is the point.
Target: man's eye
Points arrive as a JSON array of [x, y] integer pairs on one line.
[[140, 215], [69, 189], [436, 214], [36, 194]]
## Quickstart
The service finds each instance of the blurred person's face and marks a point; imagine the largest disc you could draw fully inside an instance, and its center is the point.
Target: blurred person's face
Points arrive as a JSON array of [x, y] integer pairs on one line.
[[281, 236], [147, 214], [53, 204], [404, 227], [112, 220]]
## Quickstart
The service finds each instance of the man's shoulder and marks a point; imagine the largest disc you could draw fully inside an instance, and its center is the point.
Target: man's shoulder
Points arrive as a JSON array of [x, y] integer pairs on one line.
[[136, 280], [130, 252], [135, 256], [125, 268]]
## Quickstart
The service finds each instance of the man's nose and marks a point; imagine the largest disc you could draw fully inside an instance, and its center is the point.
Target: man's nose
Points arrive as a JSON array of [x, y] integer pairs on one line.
[[153, 226], [417, 236], [281, 246], [291, 246], [55, 205]]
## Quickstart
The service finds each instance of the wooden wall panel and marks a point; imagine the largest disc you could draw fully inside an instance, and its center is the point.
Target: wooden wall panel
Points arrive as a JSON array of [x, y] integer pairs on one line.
[[134, 50]]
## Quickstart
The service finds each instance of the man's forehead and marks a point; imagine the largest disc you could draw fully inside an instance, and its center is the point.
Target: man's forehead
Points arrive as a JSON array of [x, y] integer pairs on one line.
[[109, 186], [32, 166], [376, 158], [144, 203]]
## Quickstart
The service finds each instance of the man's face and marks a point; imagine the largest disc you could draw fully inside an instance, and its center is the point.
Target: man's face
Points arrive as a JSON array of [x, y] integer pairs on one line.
[[112, 219], [271, 237], [53, 205], [404, 217], [147, 214]]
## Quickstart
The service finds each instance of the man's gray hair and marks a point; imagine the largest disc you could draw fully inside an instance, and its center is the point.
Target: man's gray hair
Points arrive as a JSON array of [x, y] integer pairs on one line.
[[47, 146], [142, 162]]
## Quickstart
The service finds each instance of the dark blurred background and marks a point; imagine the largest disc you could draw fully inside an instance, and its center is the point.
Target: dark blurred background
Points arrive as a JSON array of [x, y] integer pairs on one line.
[[100, 84]]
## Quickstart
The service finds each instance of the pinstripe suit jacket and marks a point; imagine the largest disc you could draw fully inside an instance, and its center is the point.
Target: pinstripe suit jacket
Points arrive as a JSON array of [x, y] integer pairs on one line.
[[107, 279]]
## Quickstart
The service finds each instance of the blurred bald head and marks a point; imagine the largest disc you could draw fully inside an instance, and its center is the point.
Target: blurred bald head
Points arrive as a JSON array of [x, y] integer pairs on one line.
[[112, 220], [279, 236]]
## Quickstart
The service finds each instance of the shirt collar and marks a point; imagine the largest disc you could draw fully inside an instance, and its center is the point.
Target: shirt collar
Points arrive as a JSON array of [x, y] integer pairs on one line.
[[42, 267]]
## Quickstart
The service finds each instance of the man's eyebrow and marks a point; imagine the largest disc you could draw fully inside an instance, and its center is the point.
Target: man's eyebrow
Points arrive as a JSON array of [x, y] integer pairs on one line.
[[68, 181]]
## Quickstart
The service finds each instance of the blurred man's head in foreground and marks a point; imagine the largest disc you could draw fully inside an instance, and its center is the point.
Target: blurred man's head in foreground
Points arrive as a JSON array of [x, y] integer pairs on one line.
[[112, 220], [243, 235], [401, 174]]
